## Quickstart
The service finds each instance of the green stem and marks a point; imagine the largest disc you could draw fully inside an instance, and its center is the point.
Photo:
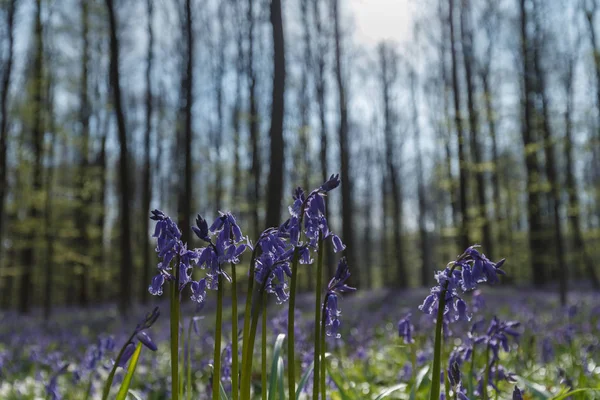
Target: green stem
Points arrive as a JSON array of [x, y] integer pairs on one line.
[[175, 336], [234, 337], [111, 375], [217, 354], [188, 362], [472, 372], [248, 306], [437, 349], [291, 309], [486, 375], [263, 375], [446, 377], [317, 343], [247, 357], [322, 374]]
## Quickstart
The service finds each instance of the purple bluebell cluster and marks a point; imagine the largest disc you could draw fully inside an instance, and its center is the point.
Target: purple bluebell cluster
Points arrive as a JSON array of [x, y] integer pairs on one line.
[[279, 245], [226, 248], [464, 274]]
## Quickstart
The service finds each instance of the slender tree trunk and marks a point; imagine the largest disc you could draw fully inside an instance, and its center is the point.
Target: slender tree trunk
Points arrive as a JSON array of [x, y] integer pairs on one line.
[[495, 178], [38, 143], [83, 198], [388, 65], [147, 178], [99, 292], [423, 236], [220, 73], [126, 267], [343, 131], [185, 194], [49, 231], [589, 16], [536, 245], [255, 168], [462, 154], [582, 252], [5, 87], [561, 267], [320, 88], [476, 150], [237, 109], [275, 184]]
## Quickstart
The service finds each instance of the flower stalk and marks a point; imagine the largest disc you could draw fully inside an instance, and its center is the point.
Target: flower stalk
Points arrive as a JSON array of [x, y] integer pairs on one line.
[[318, 327]]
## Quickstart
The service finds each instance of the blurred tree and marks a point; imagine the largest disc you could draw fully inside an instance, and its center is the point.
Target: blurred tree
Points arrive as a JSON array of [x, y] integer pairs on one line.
[[83, 192], [185, 136], [462, 153], [5, 82], [388, 62], [275, 183], [343, 132], [253, 121], [477, 152], [37, 143], [147, 176], [126, 264], [530, 144]]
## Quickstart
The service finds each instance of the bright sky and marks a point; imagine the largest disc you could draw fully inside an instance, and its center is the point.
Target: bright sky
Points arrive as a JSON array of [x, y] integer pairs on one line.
[[376, 20]]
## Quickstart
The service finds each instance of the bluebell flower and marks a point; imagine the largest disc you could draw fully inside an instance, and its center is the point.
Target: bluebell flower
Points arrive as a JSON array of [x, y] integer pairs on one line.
[[405, 329], [464, 274], [517, 395], [336, 287]]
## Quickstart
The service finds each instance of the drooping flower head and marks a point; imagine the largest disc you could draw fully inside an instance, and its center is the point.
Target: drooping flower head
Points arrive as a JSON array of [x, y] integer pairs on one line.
[[336, 287], [405, 329], [468, 270]]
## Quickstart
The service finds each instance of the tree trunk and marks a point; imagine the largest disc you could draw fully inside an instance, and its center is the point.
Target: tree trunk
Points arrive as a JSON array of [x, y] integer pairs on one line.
[[536, 243], [126, 267], [589, 16], [423, 236], [462, 161], [275, 184], [147, 178], [255, 168], [476, 150], [320, 88], [49, 231], [220, 73], [38, 143], [561, 267], [187, 87], [343, 129], [582, 252], [5, 87], [83, 198], [388, 64]]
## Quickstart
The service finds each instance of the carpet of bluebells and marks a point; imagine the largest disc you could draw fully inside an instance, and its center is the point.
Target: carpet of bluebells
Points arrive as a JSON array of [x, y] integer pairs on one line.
[[469, 337]]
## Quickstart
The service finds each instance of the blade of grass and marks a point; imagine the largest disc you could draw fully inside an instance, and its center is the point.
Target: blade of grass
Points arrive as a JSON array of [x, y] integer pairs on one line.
[[274, 366], [124, 389], [304, 380]]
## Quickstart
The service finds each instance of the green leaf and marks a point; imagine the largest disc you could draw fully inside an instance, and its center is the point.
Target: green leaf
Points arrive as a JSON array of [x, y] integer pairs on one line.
[[135, 394], [273, 384], [338, 382], [304, 380], [535, 388], [124, 389], [390, 390], [565, 395], [421, 375], [222, 392]]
